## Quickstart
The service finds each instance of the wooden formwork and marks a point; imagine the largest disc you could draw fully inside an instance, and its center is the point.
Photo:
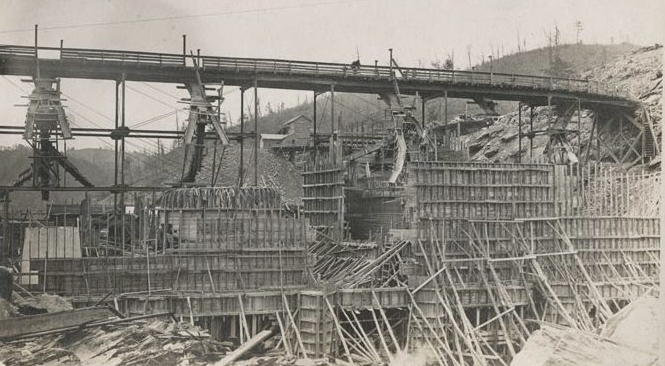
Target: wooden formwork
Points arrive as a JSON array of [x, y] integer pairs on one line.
[[228, 218], [478, 190], [210, 272], [494, 251], [212, 230], [206, 239], [315, 323], [323, 193], [605, 190]]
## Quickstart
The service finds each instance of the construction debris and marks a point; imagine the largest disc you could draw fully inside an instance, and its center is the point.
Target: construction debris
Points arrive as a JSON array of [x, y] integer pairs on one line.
[[40, 324], [139, 342], [244, 348]]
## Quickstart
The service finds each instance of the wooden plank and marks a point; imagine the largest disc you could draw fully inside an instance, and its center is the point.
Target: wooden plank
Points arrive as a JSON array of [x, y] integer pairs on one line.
[[16, 327], [244, 348]]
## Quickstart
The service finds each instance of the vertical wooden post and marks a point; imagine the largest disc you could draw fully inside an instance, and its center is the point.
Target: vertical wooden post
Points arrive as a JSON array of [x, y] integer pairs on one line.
[[6, 247], [579, 127], [256, 133], [184, 50], [316, 138], [332, 111], [115, 168], [445, 112], [531, 134], [422, 102], [122, 163], [391, 63], [37, 50], [241, 166], [519, 132]]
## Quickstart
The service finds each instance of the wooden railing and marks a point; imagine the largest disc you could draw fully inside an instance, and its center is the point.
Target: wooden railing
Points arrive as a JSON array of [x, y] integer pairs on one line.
[[323, 69]]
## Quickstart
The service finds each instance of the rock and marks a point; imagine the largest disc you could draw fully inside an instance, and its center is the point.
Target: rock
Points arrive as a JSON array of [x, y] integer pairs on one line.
[[629, 337], [636, 325], [554, 346], [44, 303]]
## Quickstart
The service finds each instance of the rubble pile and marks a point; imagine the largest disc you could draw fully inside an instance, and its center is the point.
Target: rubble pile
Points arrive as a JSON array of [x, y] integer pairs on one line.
[[275, 171], [42, 303]]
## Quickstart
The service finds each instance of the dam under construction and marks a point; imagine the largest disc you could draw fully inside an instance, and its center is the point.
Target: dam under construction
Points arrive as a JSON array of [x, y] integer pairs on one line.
[[400, 242]]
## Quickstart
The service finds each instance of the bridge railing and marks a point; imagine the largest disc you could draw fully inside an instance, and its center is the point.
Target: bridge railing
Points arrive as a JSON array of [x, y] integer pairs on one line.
[[143, 58], [325, 69]]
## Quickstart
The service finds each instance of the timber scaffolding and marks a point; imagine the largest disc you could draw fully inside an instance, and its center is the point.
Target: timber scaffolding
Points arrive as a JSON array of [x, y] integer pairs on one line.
[[489, 250], [506, 245]]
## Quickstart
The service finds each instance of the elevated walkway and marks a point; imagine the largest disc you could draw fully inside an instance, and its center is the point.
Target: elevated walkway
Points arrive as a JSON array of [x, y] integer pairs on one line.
[[305, 75]]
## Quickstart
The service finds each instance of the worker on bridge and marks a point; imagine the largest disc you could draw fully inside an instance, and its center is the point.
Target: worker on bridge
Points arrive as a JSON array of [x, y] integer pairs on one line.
[[355, 66]]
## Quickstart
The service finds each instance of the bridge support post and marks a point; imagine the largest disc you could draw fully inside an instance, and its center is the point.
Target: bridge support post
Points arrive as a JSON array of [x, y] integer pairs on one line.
[[519, 132], [256, 132], [119, 159], [7, 252], [184, 50], [316, 139], [122, 161], [531, 134], [445, 111], [241, 165], [332, 118], [579, 128], [115, 162], [422, 120]]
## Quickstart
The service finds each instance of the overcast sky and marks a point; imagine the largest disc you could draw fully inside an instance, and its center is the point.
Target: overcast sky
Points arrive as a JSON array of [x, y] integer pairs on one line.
[[318, 30]]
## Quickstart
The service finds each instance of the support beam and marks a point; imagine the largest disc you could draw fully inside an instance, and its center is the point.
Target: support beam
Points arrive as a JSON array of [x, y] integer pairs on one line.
[[37, 74], [332, 121], [519, 133], [316, 137], [445, 111], [116, 160], [6, 252], [184, 50], [422, 120], [531, 134], [241, 165], [122, 159], [579, 128], [332, 110], [256, 133]]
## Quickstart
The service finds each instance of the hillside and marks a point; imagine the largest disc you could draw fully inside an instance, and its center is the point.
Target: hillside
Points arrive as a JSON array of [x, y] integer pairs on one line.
[[577, 57], [638, 72], [95, 164]]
